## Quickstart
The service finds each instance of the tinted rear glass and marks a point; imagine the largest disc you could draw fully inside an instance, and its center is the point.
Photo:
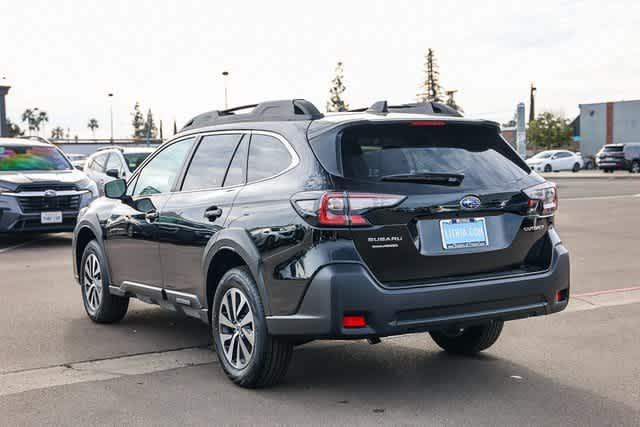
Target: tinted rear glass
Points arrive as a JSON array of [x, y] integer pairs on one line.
[[23, 158], [614, 149], [371, 152]]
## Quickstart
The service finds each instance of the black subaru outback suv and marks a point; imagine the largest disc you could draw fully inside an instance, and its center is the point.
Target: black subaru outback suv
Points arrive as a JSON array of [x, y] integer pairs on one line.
[[282, 225]]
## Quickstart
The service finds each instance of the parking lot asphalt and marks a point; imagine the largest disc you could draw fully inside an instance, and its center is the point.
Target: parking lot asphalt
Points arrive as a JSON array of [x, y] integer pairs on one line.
[[574, 368]]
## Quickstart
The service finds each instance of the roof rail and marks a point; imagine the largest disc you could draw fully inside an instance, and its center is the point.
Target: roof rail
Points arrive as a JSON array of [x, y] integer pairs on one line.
[[381, 107], [281, 110]]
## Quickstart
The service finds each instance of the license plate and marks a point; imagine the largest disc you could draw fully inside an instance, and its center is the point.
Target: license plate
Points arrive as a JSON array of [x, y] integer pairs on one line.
[[463, 233], [51, 217]]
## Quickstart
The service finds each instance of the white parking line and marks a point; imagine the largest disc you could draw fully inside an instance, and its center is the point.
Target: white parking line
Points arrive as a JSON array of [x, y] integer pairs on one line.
[[19, 245], [33, 379], [621, 196]]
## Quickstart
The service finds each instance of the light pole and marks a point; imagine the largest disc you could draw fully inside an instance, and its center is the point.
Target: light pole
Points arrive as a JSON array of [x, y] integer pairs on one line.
[[110, 95], [225, 76]]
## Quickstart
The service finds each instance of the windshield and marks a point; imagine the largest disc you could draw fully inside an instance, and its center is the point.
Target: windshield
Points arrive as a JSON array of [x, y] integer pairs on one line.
[[31, 158], [134, 159], [543, 155], [375, 152]]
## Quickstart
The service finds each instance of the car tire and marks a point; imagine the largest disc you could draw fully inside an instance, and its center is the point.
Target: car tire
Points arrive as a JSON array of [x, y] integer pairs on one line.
[[100, 305], [547, 168], [635, 166], [249, 356], [469, 341], [576, 167]]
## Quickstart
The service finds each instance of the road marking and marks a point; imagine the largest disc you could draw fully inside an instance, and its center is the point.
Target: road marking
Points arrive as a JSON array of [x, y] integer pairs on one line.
[[19, 245], [606, 298], [106, 369], [620, 196]]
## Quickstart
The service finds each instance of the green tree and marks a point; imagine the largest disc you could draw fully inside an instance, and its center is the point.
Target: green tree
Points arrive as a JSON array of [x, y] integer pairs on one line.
[[336, 103], [149, 129], [14, 129], [430, 89], [93, 125], [57, 133], [137, 122], [549, 131]]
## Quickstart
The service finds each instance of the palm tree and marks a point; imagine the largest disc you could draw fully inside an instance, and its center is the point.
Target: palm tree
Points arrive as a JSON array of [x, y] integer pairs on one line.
[[93, 125], [57, 133], [28, 117], [42, 117]]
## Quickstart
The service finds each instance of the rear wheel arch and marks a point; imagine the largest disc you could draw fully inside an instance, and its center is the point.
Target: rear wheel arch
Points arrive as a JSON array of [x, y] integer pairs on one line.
[[224, 255]]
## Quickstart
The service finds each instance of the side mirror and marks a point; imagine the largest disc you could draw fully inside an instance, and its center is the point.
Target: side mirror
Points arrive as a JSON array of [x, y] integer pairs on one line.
[[115, 189], [113, 173]]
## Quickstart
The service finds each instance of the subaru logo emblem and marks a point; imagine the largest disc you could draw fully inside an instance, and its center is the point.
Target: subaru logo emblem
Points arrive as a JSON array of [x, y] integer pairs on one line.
[[470, 203], [50, 193]]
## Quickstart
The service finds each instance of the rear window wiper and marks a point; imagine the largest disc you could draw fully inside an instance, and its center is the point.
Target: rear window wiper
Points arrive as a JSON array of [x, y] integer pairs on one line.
[[437, 178]]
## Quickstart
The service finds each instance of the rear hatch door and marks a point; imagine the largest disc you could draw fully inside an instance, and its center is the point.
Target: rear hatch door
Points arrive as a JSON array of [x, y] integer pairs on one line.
[[463, 214]]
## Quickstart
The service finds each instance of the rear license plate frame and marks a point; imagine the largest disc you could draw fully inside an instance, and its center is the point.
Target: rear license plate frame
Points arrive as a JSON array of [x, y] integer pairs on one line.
[[450, 242]]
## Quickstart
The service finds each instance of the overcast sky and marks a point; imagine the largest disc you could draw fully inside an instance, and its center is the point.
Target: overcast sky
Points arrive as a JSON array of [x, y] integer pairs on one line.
[[65, 56]]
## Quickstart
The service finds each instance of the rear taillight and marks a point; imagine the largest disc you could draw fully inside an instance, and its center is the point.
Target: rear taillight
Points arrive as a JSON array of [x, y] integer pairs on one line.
[[340, 209], [543, 198]]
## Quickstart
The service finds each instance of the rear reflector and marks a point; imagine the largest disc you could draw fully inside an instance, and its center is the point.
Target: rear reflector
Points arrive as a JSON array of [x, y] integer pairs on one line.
[[562, 295], [354, 321]]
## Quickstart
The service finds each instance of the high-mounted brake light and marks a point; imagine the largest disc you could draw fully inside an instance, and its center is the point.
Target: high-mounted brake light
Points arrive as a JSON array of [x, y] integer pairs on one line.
[[340, 209], [545, 194], [428, 123]]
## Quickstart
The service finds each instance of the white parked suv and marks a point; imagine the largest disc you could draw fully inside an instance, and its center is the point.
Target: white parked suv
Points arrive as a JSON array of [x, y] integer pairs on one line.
[[556, 160], [115, 162]]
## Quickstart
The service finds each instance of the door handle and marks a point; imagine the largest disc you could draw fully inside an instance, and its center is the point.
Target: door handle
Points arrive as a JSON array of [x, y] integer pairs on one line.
[[152, 216], [213, 213]]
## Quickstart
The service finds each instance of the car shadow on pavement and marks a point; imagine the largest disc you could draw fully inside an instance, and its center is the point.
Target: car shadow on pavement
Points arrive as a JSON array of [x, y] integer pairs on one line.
[[391, 377]]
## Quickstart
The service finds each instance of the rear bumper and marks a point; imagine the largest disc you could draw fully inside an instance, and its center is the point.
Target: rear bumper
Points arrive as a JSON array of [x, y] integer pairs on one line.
[[612, 164], [340, 289]]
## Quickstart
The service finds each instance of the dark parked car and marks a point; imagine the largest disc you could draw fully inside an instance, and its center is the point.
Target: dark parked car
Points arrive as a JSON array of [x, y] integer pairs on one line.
[[619, 157], [40, 190], [283, 225]]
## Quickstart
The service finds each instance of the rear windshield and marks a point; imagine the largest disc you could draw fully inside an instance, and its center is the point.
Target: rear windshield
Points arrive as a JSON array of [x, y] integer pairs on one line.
[[374, 151], [31, 158], [613, 149], [134, 159]]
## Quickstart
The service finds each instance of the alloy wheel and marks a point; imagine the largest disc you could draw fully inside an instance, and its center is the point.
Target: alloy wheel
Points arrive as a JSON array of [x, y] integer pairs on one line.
[[236, 328], [92, 283]]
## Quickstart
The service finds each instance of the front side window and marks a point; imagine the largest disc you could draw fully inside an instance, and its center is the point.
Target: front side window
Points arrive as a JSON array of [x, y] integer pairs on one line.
[[31, 158], [160, 173], [267, 157], [99, 162], [210, 161]]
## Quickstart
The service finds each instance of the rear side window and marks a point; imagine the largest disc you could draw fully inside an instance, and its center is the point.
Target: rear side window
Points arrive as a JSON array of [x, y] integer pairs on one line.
[[267, 157], [373, 152], [236, 172], [210, 161]]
